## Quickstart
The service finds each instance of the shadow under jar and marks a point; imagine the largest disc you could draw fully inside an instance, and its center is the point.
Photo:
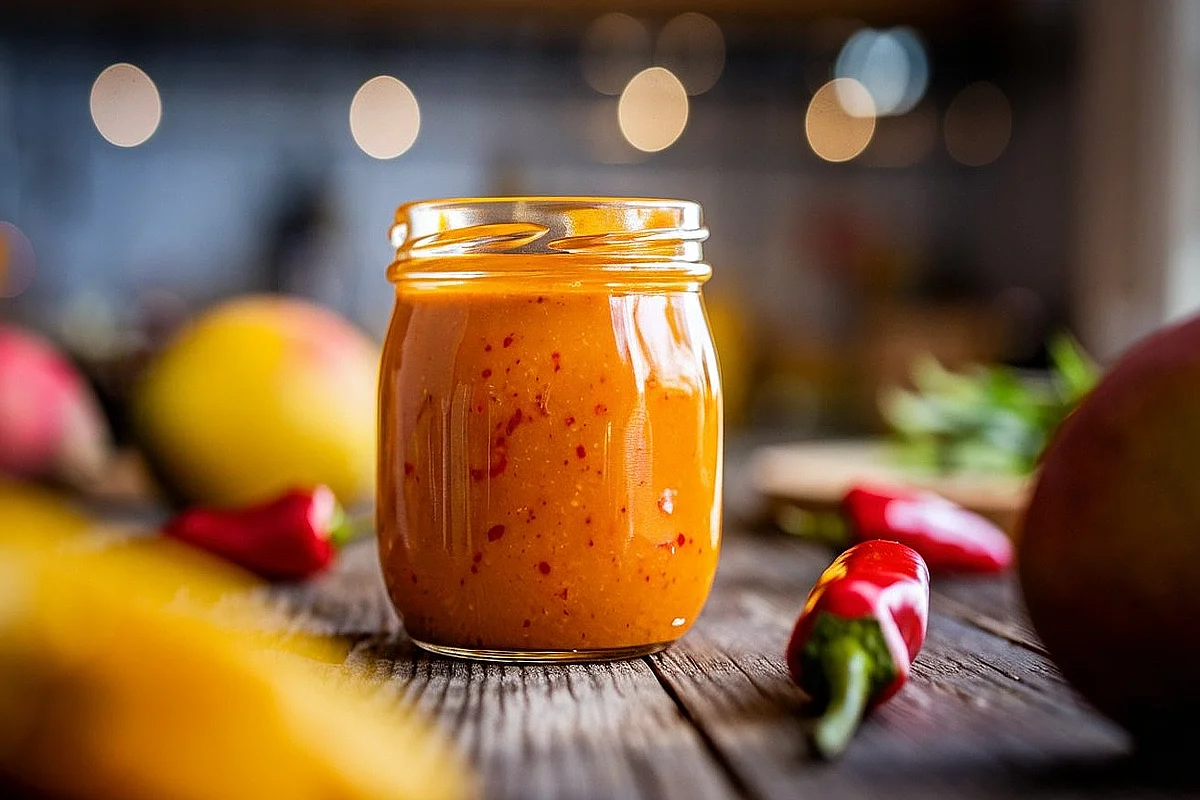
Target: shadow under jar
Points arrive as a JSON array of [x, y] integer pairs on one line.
[[550, 427]]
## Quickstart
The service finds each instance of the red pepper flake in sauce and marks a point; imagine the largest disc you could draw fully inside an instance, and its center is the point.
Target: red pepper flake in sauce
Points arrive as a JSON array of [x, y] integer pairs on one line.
[[508, 340], [526, 624], [544, 568], [487, 373], [408, 468], [513, 422], [569, 421], [497, 460], [477, 557], [601, 409], [495, 533], [556, 359], [487, 348], [681, 540], [581, 451], [541, 299]]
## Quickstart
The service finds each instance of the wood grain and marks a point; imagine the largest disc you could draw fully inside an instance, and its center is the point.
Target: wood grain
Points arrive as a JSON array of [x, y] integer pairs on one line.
[[985, 713], [979, 712], [570, 731]]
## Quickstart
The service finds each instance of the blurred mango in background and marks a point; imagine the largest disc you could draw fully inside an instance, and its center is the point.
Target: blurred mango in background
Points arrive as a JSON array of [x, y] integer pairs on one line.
[[257, 395], [133, 669]]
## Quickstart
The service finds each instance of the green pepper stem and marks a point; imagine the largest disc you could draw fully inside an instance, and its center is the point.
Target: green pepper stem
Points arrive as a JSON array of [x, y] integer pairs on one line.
[[847, 671], [341, 529], [825, 527]]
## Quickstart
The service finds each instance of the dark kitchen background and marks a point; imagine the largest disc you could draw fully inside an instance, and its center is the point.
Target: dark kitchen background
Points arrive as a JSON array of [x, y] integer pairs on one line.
[[1000, 171]]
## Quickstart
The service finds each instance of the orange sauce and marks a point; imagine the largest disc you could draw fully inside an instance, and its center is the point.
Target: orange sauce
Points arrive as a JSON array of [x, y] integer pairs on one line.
[[550, 461]]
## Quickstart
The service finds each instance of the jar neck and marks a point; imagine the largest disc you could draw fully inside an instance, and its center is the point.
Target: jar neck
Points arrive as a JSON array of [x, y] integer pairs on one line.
[[579, 240]]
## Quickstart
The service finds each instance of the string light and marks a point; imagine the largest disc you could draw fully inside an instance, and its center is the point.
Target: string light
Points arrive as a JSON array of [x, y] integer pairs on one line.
[[978, 124], [840, 120], [125, 105], [692, 46], [384, 117], [615, 48], [653, 110]]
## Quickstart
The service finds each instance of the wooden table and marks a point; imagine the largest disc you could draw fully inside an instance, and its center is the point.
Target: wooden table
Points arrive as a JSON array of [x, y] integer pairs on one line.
[[716, 716]]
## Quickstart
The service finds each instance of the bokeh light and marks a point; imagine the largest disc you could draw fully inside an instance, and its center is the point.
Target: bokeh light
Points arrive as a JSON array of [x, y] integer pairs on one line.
[[978, 124], [615, 48], [692, 46], [653, 110], [840, 120], [384, 117], [16, 261], [125, 104], [891, 64]]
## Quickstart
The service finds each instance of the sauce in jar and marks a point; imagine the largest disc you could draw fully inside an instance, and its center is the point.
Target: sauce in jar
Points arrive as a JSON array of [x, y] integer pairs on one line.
[[550, 425]]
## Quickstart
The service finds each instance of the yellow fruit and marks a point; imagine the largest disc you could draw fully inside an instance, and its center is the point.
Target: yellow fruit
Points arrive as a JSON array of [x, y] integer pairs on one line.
[[114, 685], [31, 510], [258, 395]]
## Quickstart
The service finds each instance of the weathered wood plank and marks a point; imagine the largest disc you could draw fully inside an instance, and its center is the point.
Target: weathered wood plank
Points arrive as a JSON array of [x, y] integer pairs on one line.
[[985, 715], [980, 715], [571, 731], [350, 601]]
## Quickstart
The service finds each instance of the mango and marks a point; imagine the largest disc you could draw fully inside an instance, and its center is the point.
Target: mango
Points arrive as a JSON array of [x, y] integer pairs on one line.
[[38, 511], [51, 425], [259, 394], [134, 673], [1110, 541]]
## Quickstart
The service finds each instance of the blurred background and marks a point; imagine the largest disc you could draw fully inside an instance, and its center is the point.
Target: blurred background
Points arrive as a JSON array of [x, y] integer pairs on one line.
[[882, 179]]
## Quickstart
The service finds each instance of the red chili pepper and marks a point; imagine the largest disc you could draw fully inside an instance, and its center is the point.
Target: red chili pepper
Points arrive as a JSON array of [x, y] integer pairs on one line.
[[862, 626], [289, 538], [949, 537]]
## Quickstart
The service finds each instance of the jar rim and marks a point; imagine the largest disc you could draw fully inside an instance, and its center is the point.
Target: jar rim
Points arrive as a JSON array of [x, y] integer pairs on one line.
[[611, 234], [549, 199]]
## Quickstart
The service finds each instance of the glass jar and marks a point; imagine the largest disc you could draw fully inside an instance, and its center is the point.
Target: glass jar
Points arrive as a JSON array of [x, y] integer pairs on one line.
[[550, 427]]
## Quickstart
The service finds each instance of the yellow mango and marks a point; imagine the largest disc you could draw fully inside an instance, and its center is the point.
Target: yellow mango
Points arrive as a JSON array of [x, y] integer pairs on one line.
[[257, 395]]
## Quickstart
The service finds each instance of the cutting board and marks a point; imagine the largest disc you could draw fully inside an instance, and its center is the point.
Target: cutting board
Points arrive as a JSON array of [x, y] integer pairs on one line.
[[815, 476]]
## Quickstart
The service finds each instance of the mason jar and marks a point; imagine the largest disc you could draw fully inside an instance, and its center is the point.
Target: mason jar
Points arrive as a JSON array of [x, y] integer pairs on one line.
[[550, 425]]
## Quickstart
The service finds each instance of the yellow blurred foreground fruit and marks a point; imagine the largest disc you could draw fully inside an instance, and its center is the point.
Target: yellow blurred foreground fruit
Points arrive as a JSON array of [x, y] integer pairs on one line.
[[35, 510], [114, 685], [258, 395]]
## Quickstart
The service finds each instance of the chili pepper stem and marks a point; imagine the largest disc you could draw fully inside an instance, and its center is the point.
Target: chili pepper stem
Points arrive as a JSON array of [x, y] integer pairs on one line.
[[341, 528], [816, 526], [846, 664]]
